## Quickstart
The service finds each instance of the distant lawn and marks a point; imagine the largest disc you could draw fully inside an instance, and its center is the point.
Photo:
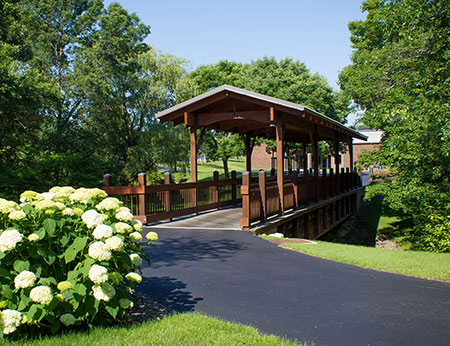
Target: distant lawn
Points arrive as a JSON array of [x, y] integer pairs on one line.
[[414, 263], [206, 171], [189, 329]]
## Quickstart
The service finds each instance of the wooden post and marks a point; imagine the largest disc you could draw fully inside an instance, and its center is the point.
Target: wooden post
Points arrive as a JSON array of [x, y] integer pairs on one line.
[[350, 153], [331, 187], [107, 180], [336, 162], [216, 187], [342, 181], [305, 159], [142, 181], [307, 188], [347, 179], [245, 192], [233, 187], [263, 192], [316, 163], [194, 175], [324, 184], [167, 199], [280, 168], [296, 195], [248, 151]]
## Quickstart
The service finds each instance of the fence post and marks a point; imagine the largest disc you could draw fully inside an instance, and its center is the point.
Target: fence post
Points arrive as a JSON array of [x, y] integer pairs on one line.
[[307, 189], [347, 179], [167, 201], [262, 189], [331, 183], [142, 180], [216, 187], [107, 180], [342, 180], [245, 192], [233, 187], [324, 184], [272, 172], [296, 195]]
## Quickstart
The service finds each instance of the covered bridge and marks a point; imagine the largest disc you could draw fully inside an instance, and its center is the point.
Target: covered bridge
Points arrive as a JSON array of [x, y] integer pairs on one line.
[[309, 201]]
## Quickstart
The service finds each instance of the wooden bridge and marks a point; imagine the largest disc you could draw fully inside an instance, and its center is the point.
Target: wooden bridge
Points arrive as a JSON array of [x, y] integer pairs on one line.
[[305, 202]]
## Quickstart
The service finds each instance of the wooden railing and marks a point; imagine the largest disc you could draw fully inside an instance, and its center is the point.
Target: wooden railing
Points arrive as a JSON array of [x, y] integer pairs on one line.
[[151, 203], [261, 199]]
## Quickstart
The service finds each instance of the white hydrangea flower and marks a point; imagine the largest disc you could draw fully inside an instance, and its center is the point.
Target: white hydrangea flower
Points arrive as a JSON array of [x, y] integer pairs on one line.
[[102, 231], [63, 193], [8, 206], [60, 205], [24, 279], [99, 251], [9, 239], [92, 218], [28, 196], [137, 225], [33, 237], [98, 274], [17, 215], [122, 228], [136, 236], [83, 195], [68, 212], [133, 277], [67, 319], [152, 236], [45, 204], [10, 320], [136, 260], [109, 203], [124, 216], [105, 292], [114, 243], [41, 294], [49, 196], [124, 209]]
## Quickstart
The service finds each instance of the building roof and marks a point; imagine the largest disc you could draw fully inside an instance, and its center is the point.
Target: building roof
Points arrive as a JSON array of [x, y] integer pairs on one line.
[[236, 110], [373, 136]]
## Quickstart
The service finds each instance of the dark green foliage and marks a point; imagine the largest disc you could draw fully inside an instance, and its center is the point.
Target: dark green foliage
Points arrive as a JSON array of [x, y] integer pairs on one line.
[[400, 78]]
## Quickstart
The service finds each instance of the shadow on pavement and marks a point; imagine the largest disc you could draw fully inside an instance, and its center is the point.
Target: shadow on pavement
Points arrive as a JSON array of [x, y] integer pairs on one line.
[[169, 292], [171, 251]]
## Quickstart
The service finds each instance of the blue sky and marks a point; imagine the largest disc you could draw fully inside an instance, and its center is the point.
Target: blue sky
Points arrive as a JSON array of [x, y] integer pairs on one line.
[[204, 32]]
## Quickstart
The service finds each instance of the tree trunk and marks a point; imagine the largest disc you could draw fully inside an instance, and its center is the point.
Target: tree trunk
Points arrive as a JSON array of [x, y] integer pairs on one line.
[[225, 168]]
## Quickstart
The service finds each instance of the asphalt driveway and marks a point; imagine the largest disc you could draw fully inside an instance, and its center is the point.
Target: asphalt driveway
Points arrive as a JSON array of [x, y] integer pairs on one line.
[[239, 277]]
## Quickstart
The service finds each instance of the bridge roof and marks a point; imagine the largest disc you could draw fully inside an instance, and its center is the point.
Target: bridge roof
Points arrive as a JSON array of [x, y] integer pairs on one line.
[[236, 110]]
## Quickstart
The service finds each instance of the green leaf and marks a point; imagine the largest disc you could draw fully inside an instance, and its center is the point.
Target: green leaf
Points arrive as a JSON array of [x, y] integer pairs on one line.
[[50, 226], [112, 310], [80, 289], [48, 281], [20, 266], [41, 233], [53, 304], [65, 240], [87, 266], [50, 258], [54, 327], [27, 209], [35, 312], [7, 292], [125, 258], [71, 253], [24, 301]]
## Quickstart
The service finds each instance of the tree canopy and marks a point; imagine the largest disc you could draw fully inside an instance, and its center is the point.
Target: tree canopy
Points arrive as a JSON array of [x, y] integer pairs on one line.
[[400, 78]]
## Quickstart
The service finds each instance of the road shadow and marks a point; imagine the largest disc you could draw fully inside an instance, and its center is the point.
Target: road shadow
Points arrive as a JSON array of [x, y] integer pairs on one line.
[[169, 292], [171, 251]]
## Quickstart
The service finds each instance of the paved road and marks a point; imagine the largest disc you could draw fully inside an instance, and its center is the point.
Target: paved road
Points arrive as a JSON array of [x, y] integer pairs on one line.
[[239, 277]]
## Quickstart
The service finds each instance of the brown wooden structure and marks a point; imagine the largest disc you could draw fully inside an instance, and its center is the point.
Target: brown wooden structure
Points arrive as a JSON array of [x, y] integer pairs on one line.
[[326, 197]]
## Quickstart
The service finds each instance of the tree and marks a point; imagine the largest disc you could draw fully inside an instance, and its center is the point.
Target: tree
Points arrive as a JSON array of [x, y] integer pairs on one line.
[[285, 79], [399, 76]]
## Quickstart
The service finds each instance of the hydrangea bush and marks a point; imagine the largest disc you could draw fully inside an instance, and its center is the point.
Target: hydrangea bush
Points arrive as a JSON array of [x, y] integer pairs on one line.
[[67, 258]]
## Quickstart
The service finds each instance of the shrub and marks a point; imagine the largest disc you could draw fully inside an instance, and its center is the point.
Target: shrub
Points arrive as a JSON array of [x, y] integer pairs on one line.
[[67, 258]]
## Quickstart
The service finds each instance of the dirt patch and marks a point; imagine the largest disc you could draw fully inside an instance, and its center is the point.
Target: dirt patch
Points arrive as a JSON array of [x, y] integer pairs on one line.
[[144, 309]]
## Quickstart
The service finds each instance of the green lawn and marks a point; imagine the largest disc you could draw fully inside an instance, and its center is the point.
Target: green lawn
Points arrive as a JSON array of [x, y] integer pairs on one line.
[[190, 329], [414, 263]]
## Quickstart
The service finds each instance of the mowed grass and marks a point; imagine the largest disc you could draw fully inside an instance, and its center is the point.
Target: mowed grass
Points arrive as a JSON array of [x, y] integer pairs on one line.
[[427, 265], [189, 329]]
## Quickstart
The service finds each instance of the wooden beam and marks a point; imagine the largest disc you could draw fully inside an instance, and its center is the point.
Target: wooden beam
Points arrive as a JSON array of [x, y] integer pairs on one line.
[[189, 119], [207, 119], [280, 166], [350, 153], [200, 139], [194, 150], [248, 150]]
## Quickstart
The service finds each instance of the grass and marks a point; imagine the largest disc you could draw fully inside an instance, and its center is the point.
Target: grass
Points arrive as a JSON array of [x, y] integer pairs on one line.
[[205, 172], [189, 329], [427, 265]]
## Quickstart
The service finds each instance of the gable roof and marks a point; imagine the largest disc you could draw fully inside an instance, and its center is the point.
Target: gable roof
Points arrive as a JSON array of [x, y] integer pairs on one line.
[[237, 110]]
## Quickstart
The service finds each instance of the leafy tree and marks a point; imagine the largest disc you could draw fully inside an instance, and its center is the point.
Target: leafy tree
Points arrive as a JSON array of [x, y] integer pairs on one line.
[[285, 79], [399, 76]]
